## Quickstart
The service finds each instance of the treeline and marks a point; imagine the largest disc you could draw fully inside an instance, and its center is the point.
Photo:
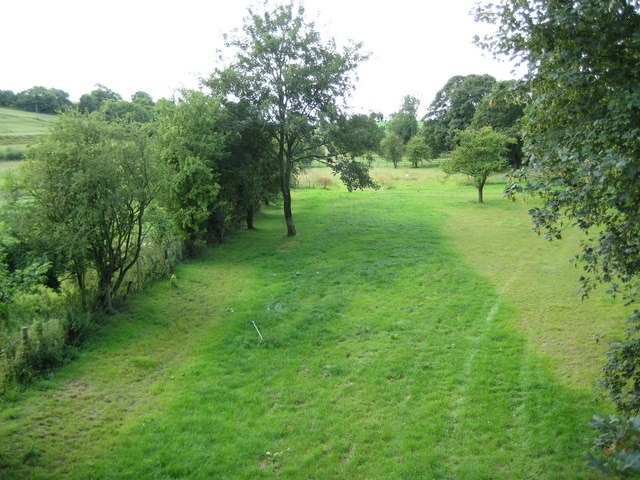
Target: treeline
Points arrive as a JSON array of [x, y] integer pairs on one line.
[[53, 100], [110, 201], [36, 99], [471, 101], [119, 192]]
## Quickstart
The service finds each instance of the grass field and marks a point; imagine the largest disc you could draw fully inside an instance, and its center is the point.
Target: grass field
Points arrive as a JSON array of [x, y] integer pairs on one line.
[[18, 129], [406, 333]]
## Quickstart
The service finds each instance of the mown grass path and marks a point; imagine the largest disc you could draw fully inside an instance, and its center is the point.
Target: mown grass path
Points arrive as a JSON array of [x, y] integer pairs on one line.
[[388, 353]]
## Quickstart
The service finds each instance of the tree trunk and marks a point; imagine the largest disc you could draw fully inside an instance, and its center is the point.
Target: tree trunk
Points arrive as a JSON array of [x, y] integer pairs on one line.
[[480, 189], [249, 218], [288, 215], [106, 298], [286, 162]]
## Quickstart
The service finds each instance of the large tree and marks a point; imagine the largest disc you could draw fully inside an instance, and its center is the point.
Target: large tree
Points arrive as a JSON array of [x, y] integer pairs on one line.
[[582, 140], [7, 98], [503, 109], [404, 123], [281, 65], [453, 109], [90, 102], [246, 176]]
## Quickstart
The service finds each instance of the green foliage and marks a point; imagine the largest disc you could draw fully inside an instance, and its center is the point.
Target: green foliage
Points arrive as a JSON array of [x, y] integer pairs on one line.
[[10, 154], [392, 148], [295, 79], [621, 380], [353, 173], [479, 154], [91, 182], [190, 141], [503, 110], [246, 173], [435, 134], [356, 135], [583, 143], [418, 151], [42, 100], [617, 448], [119, 110], [40, 348], [7, 98], [404, 123], [453, 109], [91, 102]]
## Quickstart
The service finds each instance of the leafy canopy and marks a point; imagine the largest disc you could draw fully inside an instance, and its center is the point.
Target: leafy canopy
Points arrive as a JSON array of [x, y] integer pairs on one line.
[[189, 140], [418, 151], [297, 81], [453, 109], [92, 181], [479, 154]]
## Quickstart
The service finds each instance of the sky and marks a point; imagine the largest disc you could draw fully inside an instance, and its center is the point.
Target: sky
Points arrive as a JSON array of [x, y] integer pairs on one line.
[[161, 46]]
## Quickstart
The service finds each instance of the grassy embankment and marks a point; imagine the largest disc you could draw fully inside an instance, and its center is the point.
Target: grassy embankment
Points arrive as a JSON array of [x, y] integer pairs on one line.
[[407, 333], [18, 129]]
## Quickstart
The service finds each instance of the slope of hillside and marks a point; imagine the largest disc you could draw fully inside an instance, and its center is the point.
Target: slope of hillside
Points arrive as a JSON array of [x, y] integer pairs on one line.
[[18, 129]]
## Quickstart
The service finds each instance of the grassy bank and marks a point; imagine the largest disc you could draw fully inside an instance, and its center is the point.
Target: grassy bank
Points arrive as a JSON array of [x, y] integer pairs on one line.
[[18, 129], [406, 333]]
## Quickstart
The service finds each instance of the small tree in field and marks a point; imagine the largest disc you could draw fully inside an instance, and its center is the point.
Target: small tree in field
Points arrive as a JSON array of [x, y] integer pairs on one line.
[[479, 154], [418, 151], [392, 148]]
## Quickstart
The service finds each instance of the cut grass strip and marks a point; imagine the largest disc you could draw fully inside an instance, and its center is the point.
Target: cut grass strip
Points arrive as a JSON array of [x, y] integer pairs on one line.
[[537, 277]]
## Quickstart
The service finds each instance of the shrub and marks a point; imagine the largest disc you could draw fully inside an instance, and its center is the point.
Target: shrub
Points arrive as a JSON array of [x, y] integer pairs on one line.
[[37, 349], [10, 154], [617, 448]]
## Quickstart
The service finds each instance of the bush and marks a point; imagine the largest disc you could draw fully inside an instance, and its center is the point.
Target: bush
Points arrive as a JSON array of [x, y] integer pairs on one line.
[[10, 154], [37, 349], [78, 327], [617, 448]]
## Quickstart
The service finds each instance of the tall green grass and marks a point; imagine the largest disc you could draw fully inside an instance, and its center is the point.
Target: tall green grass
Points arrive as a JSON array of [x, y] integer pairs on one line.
[[394, 345]]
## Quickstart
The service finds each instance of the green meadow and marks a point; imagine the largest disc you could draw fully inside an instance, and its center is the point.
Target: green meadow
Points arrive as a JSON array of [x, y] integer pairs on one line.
[[18, 129], [407, 332]]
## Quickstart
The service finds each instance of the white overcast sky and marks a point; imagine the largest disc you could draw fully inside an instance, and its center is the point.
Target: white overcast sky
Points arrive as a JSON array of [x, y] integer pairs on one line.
[[160, 46]]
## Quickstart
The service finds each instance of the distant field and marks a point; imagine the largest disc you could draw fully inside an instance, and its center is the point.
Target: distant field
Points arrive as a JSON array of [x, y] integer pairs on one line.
[[19, 129]]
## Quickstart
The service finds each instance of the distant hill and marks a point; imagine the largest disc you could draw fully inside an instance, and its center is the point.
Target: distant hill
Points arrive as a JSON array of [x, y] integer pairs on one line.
[[18, 129]]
